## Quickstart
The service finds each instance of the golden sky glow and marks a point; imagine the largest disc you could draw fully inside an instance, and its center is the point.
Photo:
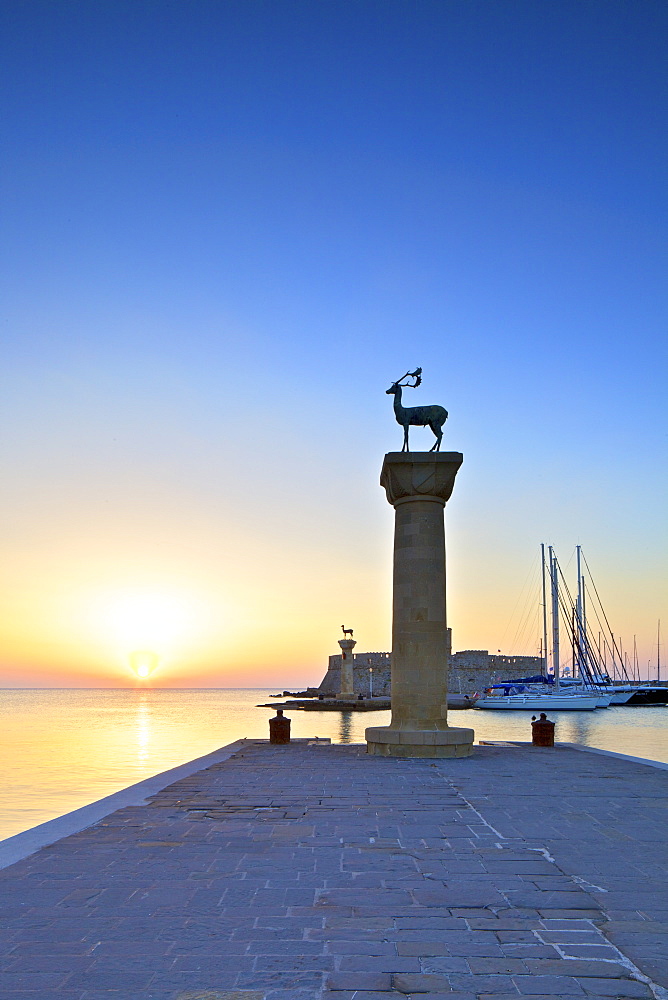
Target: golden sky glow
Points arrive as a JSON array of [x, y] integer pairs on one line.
[[263, 606]]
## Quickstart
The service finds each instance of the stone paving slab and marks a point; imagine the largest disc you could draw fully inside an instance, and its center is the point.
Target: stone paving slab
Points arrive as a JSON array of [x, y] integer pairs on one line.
[[321, 873]]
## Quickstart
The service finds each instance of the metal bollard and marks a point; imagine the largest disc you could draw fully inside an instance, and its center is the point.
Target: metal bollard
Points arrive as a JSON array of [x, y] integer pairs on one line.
[[542, 731], [279, 728]]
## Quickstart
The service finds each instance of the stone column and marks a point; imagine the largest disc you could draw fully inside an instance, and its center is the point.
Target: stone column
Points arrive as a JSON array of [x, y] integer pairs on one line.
[[418, 485], [347, 691]]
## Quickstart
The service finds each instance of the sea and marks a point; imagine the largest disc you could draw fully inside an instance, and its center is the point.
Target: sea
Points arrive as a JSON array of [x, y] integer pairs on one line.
[[62, 749]]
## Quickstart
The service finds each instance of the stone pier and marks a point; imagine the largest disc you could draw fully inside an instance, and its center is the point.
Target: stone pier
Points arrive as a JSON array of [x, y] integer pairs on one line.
[[316, 872], [418, 486]]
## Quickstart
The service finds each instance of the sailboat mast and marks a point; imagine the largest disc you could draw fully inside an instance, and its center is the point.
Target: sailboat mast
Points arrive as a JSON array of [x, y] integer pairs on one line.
[[593, 664], [542, 564], [555, 617], [658, 651], [579, 645]]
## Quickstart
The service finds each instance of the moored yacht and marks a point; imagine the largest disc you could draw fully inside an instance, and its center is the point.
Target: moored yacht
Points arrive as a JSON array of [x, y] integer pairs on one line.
[[524, 697], [648, 694]]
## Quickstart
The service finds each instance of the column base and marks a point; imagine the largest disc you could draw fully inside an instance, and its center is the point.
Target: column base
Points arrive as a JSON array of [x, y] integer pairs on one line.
[[388, 742]]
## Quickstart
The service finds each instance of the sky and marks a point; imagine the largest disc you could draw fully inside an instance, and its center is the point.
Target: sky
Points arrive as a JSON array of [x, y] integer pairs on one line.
[[228, 228]]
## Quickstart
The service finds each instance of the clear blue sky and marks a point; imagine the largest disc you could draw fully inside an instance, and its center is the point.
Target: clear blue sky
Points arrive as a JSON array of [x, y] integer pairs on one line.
[[228, 226]]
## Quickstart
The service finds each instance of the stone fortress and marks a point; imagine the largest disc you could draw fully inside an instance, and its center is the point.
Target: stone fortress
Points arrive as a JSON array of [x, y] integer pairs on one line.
[[470, 670]]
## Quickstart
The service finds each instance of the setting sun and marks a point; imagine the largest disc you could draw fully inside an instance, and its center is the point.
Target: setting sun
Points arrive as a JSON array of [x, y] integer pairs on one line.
[[144, 662], [148, 627]]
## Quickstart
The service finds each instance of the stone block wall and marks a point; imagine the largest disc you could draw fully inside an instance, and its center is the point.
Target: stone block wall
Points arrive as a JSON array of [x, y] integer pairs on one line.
[[474, 670], [471, 670], [380, 664]]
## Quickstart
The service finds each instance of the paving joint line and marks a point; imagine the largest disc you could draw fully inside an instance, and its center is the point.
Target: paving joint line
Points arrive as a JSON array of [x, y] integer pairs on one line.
[[659, 992], [479, 815]]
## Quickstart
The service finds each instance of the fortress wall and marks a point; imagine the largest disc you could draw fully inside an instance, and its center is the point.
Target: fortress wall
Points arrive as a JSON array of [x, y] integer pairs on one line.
[[474, 670], [380, 662], [471, 670]]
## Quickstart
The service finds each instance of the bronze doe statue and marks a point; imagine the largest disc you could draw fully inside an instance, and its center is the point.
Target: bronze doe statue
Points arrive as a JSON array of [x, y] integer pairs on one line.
[[417, 416]]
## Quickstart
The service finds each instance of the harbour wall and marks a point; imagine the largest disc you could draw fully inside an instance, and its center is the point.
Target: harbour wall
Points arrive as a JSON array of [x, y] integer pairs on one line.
[[470, 670]]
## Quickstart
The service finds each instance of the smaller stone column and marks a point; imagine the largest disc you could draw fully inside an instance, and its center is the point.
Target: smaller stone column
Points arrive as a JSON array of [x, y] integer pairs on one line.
[[347, 687]]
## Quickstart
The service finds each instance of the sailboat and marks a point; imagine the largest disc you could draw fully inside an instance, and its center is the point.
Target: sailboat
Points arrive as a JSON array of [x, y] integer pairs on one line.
[[525, 698], [550, 696], [587, 676], [633, 695]]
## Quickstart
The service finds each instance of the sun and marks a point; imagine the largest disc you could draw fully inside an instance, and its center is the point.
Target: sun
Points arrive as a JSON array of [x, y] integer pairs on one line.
[[144, 662], [151, 627]]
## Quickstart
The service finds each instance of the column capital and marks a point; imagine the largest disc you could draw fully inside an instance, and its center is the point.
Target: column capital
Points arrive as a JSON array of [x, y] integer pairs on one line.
[[420, 475], [347, 645]]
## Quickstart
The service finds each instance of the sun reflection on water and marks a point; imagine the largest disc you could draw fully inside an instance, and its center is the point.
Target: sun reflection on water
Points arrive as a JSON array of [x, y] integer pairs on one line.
[[143, 730], [345, 727]]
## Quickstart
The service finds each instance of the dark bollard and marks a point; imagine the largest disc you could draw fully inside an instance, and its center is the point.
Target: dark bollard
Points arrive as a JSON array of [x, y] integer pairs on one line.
[[542, 731], [279, 728]]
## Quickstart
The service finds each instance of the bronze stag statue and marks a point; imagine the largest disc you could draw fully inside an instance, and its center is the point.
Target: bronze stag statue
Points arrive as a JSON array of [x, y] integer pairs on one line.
[[417, 416]]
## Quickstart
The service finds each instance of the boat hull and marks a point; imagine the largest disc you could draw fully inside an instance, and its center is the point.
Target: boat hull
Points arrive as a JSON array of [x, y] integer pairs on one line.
[[532, 703], [621, 697], [649, 696]]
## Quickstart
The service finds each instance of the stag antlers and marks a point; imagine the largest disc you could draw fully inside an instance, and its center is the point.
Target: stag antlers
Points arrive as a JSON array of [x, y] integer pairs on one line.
[[417, 375]]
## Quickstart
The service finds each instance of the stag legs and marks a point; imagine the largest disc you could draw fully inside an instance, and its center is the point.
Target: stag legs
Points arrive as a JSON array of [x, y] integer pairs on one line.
[[438, 431]]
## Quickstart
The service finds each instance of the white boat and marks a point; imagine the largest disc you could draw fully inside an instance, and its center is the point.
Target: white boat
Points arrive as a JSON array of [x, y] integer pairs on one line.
[[533, 698], [620, 695], [606, 693], [603, 698], [531, 701], [614, 695]]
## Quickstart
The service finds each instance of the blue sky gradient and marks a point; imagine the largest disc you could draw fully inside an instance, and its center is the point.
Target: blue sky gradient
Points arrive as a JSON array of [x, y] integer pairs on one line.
[[230, 225]]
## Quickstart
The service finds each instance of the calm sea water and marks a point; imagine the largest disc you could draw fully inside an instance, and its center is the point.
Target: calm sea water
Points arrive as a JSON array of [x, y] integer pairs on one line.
[[60, 749]]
